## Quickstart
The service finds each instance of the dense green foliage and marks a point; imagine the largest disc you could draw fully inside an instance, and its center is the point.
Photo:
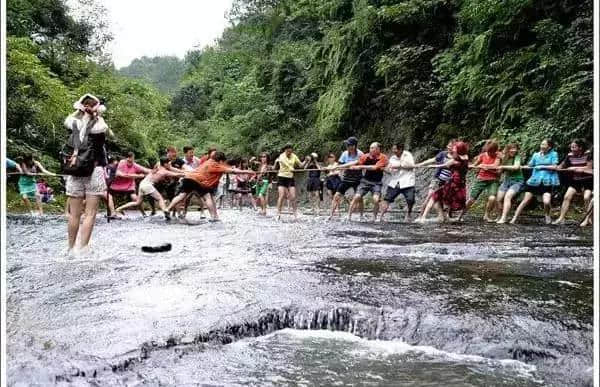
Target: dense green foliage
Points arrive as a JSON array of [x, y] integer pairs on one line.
[[51, 61], [312, 72], [164, 72]]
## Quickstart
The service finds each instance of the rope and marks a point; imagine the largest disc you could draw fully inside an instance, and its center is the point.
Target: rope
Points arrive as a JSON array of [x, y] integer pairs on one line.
[[413, 167], [36, 174]]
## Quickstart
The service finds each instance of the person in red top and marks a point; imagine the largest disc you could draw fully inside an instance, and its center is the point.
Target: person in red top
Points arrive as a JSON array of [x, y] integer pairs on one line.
[[124, 182], [208, 155], [373, 163], [487, 179], [204, 180]]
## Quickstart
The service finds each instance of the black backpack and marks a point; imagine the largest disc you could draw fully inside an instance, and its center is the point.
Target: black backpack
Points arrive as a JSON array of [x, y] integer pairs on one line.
[[85, 163]]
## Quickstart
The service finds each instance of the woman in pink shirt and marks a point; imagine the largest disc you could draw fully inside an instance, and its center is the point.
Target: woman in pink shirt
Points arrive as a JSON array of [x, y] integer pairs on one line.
[[124, 183]]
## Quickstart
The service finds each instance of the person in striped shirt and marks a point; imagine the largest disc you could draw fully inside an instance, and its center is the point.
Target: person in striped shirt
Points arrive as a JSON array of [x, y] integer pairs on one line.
[[579, 182], [441, 176]]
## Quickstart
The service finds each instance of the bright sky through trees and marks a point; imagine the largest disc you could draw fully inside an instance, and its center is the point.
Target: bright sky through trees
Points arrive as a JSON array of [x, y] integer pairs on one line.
[[157, 27]]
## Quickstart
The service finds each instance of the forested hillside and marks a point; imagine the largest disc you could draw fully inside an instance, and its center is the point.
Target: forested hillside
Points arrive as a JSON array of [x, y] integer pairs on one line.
[[312, 72], [164, 72]]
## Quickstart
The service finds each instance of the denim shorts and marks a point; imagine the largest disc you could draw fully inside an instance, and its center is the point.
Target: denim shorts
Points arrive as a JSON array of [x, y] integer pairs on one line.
[[367, 186], [513, 185]]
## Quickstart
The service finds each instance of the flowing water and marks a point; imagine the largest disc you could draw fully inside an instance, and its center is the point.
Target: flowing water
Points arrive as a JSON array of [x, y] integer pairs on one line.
[[252, 301]]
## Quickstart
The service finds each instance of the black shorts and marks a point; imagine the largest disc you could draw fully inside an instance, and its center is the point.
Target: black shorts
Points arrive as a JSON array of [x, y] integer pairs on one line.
[[120, 193], [285, 182], [313, 184], [333, 182], [189, 185], [539, 189], [170, 189], [582, 185], [392, 193], [345, 185]]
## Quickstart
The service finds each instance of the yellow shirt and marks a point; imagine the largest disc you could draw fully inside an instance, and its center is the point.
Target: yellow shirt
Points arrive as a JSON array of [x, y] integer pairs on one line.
[[287, 165]]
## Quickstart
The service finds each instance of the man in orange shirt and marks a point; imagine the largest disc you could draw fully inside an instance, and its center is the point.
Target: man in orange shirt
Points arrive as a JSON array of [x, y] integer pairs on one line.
[[373, 163], [204, 180]]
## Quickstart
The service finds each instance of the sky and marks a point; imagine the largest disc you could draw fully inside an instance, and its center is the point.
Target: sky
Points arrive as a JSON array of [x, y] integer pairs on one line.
[[162, 27]]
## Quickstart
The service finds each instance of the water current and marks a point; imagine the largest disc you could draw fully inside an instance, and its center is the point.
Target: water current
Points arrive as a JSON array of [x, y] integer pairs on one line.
[[253, 301]]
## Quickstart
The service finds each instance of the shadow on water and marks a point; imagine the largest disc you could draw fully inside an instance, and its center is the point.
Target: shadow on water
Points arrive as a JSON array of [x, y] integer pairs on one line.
[[254, 301]]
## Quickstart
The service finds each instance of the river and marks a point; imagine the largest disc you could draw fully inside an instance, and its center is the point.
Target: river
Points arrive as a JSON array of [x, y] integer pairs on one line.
[[253, 301]]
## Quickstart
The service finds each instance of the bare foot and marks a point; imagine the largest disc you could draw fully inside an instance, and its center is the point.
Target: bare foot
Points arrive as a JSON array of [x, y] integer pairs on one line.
[[513, 221], [419, 220], [558, 221], [501, 221], [548, 219]]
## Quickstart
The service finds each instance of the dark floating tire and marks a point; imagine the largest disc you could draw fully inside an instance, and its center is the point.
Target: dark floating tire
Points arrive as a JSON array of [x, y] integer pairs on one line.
[[157, 249]]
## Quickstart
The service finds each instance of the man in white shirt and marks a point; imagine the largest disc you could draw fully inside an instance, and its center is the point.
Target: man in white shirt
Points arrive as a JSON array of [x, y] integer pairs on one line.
[[190, 162], [402, 180]]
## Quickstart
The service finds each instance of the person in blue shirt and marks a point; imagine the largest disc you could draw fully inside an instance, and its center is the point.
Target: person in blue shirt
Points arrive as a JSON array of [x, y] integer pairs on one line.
[[543, 181], [350, 178], [10, 164]]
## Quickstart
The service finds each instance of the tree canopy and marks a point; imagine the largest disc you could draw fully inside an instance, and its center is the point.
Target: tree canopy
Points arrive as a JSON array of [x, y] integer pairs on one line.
[[312, 72]]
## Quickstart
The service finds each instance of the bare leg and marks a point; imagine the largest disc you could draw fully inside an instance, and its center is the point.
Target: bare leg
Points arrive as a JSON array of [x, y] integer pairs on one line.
[[282, 195], [67, 206], [361, 207], [176, 200], [440, 210], [546, 199], [565, 205], [38, 202], [292, 200], [590, 213], [489, 208], [355, 200], [507, 198], [384, 208], [212, 208], [500, 201], [428, 206], [161, 203], [111, 205], [587, 198], [135, 203], [27, 203], [464, 211], [138, 199], [426, 202], [521, 207], [335, 203], [75, 208], [376, 198], [91, 207]]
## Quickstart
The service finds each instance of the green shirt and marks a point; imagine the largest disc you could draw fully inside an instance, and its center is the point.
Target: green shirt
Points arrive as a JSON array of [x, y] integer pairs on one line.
[[513, 175]]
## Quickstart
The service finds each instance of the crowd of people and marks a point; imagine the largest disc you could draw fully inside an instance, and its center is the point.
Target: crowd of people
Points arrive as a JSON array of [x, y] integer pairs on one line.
[[500, 179]]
